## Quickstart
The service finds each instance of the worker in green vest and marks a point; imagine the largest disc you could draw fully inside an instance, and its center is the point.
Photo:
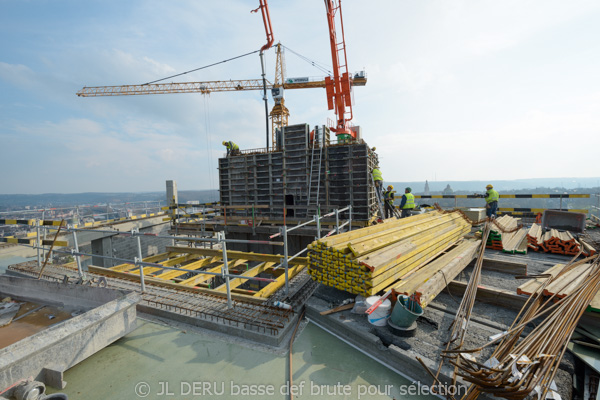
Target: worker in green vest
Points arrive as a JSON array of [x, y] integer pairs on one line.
[[408, 203], [388, 201], [378, 179], [491, 201], [232, 148]]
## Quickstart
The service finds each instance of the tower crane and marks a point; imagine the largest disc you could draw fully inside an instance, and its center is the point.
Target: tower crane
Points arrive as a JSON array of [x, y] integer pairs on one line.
[[339, 87], [279, 114]]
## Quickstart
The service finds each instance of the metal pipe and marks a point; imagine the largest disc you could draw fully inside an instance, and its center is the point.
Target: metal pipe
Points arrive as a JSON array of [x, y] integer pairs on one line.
[[285, 260], [140, 258], [337, 222], [349, 217], [181, 238], [37, 227], [225, 270], [76, 246], [318, 224]]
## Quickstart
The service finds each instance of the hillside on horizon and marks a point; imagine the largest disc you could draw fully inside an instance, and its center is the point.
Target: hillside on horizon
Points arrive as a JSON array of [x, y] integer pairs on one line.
[[590, 185]]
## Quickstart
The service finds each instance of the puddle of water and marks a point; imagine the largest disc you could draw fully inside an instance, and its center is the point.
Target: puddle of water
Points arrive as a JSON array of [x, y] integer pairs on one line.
[[32, 323], [158, 362]]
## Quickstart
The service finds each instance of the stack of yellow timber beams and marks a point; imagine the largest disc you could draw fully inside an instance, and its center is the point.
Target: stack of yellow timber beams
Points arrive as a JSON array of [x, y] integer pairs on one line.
[[563, 286], [427, 282], [554, 241], [369, 260]]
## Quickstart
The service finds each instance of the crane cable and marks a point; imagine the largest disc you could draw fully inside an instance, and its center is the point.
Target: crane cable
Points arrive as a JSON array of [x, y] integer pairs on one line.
[[198, 69], [318, 65], [208, 141]]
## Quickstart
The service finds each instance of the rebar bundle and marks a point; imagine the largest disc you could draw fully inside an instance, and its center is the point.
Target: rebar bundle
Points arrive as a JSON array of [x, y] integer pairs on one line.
[[517, 367]]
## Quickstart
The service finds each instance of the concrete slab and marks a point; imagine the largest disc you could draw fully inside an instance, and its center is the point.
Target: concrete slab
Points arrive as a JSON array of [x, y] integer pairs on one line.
[[106, 315]]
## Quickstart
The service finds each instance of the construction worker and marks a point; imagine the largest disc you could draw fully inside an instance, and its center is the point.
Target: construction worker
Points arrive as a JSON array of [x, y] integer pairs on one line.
[[491, 201], [232, 148], [388, 201], [407, 203], [378, 178]]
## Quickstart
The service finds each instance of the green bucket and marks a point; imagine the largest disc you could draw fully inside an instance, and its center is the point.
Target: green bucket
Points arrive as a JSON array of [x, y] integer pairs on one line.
[[406, 311]]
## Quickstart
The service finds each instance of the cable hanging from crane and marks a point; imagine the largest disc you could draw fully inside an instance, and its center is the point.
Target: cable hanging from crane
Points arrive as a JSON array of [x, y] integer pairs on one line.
[[206, 66], [315, 64]]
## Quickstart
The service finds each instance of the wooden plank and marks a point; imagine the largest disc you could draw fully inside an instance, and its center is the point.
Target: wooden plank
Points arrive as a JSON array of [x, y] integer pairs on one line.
[[509, 267], [499, 297], [238, 255], [168, 284], [337, 309]]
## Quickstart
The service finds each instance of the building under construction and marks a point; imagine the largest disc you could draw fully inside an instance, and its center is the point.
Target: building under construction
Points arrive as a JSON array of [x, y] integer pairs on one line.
[[307, 175]]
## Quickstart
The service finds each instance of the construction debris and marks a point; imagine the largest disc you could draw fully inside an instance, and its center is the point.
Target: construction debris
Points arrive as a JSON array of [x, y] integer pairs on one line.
[[518, 367], [373, 259]]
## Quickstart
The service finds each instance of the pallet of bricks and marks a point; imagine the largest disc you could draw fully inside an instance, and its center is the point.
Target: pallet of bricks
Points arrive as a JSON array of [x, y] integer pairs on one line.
[[506, 236], [369, 260], [557, 242]]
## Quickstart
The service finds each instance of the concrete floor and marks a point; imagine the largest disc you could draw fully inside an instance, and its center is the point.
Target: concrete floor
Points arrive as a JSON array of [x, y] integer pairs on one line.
[[157, 360]]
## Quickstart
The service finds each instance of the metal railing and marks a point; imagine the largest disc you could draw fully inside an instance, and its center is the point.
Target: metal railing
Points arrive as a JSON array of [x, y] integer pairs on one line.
[[219, 240]]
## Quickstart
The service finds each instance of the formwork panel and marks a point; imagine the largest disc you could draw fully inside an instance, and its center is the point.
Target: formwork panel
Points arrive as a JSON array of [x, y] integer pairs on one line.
[[302, 176]]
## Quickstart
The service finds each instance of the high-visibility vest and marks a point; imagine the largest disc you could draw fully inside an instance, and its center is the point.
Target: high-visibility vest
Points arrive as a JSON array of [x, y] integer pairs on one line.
[[387, 195], [492, 196], [410, 201], [232, 146], [377, 175]]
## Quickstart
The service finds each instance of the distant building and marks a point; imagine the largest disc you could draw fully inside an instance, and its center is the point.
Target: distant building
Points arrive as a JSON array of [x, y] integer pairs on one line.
[[448, 190], [426, 190]]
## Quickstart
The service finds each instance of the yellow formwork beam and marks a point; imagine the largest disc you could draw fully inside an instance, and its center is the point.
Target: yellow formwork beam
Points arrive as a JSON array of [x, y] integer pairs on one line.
[[168, 284], [279, 282], [151, 259], [167, 263], [239, 255], [193, 266], [200, 278], [233, 283]]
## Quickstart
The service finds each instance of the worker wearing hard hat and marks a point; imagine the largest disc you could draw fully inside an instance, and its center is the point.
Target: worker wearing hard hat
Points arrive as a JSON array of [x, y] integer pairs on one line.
[[232, 148], [408, 203], [388, 201], [378, 179], [491, 201]]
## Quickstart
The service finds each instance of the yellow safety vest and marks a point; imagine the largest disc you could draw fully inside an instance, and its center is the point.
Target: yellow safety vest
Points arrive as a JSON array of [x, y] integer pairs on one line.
[[410, 201], [387, 195], [492, 196], [377, 175]]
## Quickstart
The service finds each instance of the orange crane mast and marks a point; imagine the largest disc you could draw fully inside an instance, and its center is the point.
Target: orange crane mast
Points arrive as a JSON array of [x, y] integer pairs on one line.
[[339, 88]]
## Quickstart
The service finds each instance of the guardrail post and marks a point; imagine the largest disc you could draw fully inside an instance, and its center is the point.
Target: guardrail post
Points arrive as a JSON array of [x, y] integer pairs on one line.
[[285, 258], [38, 242], [337, 222], [318, 220], [350, 218], [225, 271], [139, 259], [77, 257]]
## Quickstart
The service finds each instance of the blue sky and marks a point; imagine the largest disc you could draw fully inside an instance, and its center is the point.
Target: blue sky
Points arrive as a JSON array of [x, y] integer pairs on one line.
[[457, 90]]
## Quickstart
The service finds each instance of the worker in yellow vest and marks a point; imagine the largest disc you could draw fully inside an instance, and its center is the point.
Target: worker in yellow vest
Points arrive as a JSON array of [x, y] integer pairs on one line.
[[491, 201], [232, 148], [408, 203], [388, 201], [378, 179]]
